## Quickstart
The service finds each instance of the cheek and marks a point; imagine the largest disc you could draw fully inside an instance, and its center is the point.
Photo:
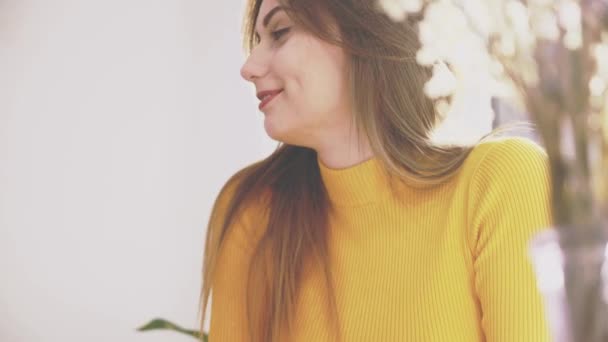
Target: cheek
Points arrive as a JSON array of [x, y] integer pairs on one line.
[[313, 74], [325, 88]]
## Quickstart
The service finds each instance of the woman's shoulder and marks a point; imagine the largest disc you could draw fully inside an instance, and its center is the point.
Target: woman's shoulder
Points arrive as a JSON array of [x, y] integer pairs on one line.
[[507, 159], [252, 209], [503, 171], [509, 189]]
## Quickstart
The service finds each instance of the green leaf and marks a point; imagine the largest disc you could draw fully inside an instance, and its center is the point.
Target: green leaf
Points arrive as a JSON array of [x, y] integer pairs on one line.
[[162, 324]]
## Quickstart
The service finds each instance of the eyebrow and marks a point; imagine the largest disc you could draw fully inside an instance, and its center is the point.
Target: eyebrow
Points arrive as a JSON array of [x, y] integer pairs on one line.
[[269, 15]]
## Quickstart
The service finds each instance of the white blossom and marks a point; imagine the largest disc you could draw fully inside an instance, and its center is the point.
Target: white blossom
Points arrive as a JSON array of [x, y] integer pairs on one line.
[[540, 3], [519, 20], [412, 6], [427, 56], [475, 38], [573, 40], [442, 83], [600, 52], [597, 86], [569, 15], [506, 45], [518, 15], [397, 10], [544, 25]]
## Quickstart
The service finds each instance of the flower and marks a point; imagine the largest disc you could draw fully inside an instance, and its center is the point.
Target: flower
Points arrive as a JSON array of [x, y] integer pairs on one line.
[[553, 53]]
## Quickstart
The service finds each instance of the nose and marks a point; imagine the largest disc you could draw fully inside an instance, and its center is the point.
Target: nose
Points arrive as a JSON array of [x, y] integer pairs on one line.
[[253, 67]]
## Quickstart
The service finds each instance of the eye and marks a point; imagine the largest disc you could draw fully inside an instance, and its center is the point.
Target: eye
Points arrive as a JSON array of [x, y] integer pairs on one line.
[[277, 34]]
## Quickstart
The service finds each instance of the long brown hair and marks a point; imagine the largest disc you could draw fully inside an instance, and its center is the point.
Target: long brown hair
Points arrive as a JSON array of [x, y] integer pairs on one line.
[[390, 109]]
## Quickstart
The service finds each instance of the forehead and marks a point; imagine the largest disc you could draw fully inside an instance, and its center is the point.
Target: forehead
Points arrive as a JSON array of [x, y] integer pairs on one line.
[[266, 7]]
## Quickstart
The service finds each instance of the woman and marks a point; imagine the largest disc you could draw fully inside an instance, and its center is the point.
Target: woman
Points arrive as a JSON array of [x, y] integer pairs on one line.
[[358, 228]]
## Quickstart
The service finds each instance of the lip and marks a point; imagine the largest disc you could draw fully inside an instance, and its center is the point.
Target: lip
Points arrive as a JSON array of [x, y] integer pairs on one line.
[[272, 93]]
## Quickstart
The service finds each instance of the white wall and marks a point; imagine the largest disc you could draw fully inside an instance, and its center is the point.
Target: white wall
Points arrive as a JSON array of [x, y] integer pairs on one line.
[[119, 122]]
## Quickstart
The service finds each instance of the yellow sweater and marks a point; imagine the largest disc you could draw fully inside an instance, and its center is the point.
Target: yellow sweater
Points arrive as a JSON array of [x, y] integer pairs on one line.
[[448, 263]]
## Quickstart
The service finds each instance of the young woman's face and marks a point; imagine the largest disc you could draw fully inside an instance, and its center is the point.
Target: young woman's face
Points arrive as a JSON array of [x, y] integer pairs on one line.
[[312, 107]]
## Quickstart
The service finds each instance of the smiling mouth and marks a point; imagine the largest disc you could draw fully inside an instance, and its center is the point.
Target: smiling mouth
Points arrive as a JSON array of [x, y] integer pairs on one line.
[[268, 99]]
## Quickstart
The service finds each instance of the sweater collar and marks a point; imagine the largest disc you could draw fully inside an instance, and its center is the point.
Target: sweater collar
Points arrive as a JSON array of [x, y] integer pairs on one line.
[[364, 183]]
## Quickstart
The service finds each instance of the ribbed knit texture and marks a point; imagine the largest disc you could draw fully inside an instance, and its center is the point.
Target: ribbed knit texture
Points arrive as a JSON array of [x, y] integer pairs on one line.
[[447, 263]]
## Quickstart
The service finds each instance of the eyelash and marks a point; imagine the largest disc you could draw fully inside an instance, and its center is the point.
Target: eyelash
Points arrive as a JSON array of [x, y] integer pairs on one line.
[[277, 34]]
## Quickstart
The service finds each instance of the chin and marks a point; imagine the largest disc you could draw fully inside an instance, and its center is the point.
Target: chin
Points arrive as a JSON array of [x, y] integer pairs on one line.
[[279, 133], [273, 130]]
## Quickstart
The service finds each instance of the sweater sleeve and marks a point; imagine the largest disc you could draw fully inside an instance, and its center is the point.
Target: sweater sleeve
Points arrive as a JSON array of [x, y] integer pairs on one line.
[[228, 321], [509, 204]]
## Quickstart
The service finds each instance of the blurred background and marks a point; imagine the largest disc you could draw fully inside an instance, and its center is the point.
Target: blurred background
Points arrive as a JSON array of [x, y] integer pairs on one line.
[[119, 123]]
